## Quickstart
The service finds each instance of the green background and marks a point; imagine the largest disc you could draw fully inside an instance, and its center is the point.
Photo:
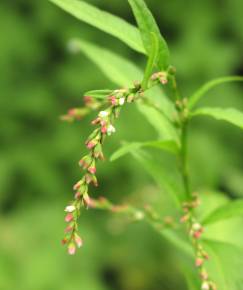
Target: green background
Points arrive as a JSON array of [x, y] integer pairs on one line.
[[39, 81]]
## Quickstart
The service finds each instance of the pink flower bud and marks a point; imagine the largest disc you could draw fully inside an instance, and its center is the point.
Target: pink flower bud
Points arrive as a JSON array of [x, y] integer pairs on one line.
[[68, 229], [71, 249], [64, 241], [113, 100], [96, 121], [163, 81], [69, 217], [78, 241], [92, 170], [199, 262], [72, 112], [197, 234], [90, 144], [103, 130], [77, 185]]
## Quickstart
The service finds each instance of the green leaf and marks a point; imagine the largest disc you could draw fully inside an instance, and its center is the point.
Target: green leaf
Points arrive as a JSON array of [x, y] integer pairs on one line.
[[122, 72], [148, 25], [166, 145], [161, 176], [151, 60], [160, 122], [104, 21], [195, 98], [229, 210], [230, 115], [225, 265], [116, 68], [98, 94]]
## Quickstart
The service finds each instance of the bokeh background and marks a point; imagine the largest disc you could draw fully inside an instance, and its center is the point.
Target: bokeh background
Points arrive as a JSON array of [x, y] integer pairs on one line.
[[39, 81]]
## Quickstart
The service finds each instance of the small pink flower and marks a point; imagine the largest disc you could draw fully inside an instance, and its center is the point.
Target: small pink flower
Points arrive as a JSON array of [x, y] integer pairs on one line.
[[199, 262], [78, 241], [69, 217], [113, 100], [92, 170], [90, 144], [77, 185], [163, 81], [71, 249], [72, 112], [77, 195], [96, 121], [103, 129], [197, 234], [64, 241], [68, 229]]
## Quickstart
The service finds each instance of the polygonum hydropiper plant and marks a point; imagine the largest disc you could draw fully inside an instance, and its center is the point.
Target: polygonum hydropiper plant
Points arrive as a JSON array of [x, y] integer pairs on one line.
[[175, 116]]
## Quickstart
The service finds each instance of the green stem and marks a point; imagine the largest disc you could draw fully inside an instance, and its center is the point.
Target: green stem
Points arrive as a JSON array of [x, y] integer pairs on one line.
[[183, 159]]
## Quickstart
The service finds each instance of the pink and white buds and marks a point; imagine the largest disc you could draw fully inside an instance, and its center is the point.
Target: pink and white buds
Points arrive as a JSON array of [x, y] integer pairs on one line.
[[199, 262], [70, 208], [69, 217], [103, 114], [71, 249], [91, 144], [78, 241], [110, 130], [121, 101], [205, 286]]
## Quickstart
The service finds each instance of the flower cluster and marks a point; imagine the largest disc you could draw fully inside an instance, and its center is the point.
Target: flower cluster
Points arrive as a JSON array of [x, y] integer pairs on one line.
[[161, 77], [94, 143], [195, 231]]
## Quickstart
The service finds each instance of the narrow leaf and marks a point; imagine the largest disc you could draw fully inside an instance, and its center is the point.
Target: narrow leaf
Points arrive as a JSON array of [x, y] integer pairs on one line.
[[230, 210], [166, 145], [160, 175], [195, 98], [116, 68], [160, 122], [148, 25], [151, 60], [98, 94], [230, 115], [104, 21]]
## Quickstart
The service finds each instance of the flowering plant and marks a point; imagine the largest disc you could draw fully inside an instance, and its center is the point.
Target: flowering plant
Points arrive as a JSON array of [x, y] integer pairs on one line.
[[155, 93]]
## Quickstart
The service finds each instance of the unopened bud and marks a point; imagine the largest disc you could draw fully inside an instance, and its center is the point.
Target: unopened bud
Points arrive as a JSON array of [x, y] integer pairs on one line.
[[71, 249]]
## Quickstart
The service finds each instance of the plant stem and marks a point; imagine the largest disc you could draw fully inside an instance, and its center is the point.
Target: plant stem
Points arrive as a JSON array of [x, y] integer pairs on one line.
[[183, 159]]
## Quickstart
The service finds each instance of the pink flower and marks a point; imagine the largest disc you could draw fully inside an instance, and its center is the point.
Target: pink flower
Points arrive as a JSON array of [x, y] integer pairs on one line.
[[103, 129], [78, 241], [77, 185], [71, 249], [199, 262], [68, 229], [92, 170], [69, 217], [90, 144]]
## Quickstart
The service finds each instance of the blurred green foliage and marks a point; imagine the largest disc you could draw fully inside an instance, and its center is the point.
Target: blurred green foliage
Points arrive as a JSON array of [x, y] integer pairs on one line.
[[39, 81]]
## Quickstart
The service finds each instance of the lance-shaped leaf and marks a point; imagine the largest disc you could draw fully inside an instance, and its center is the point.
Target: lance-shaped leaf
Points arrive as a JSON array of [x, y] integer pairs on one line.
[[116, 68], [148, 25], [166, 145], [230, 115], [98, 94], [122, 72], [227, 211], [153, 56], [196, 97], [104, 21]]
